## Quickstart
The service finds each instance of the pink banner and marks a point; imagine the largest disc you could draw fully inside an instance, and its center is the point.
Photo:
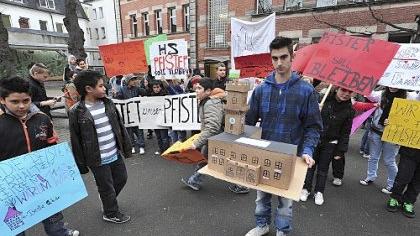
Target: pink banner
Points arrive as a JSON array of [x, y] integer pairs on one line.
[[358, 120]]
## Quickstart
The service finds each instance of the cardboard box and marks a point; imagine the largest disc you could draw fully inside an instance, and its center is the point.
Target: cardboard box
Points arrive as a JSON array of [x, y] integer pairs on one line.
[[237, 101], [238, 86], [234, 122], [277, 160], [245, 173]]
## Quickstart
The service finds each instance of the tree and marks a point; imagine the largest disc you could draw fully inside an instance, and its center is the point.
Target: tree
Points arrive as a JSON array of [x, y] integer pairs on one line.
[[7, 55], [76, 39], [414, 33]]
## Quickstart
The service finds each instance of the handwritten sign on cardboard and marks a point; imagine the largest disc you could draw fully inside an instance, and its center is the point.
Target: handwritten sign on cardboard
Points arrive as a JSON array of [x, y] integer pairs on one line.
[[169, 59], [37, 185], [124, 58], [148, 42], [258, 65], [404, 70], [404, 123], [354, 63]]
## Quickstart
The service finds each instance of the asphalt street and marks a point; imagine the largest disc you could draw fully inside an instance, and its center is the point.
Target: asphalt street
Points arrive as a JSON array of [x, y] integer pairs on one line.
[[160, 204]]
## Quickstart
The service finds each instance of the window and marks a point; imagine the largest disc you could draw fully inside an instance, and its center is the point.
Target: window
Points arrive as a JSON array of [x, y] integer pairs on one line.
[[291, 5], [264, 6], [326, 3], [172, 19], [186, 17], [158, 15], [218, 21], [133, 22], [47, 4], [94, 16], [43, 25], [90, 33], [6, 21], [24, 23], [146, 27], [101, 13], [103, 33], [59, 27], [315, 40], [97, 33], [20, 1]]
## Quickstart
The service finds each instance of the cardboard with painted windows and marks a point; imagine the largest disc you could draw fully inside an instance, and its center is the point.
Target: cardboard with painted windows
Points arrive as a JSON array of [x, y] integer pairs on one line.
[[234, 122]]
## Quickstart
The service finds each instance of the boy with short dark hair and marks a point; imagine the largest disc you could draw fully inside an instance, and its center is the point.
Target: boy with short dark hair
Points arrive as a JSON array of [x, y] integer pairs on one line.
[[100, 141], [23, 129]]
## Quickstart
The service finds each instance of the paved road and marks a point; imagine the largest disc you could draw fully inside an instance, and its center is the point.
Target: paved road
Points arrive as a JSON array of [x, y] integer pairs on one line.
[[160, 205]]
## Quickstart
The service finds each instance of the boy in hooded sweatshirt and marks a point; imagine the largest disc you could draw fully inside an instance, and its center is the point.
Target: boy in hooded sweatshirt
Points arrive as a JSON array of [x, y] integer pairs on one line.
[[211, 116]]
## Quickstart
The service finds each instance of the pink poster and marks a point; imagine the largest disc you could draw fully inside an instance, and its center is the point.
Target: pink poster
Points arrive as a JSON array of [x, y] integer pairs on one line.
[[358, 120]]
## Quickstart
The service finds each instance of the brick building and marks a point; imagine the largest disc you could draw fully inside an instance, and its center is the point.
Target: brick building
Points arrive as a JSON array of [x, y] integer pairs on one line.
[[206, 23]]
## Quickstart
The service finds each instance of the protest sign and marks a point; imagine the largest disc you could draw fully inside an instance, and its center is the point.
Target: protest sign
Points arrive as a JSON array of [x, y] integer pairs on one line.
[[358, 120], [302, 57], [177, 111], [404, 70], [404, 123], [249, 38], [258, 65], [180, 152], [148, 42], [37, 185], [124, 58], [354, 63], [169, 59]]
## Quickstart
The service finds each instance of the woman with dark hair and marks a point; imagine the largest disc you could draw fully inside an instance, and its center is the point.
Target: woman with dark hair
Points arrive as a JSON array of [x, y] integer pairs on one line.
[[378, 147]]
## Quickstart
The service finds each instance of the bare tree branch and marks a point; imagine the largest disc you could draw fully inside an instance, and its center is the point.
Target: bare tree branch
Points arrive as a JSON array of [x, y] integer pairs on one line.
[[340, 27]]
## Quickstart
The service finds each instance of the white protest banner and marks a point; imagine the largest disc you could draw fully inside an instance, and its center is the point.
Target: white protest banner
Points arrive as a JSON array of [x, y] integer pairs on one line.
[[179, 112], [248, 38], [169, 59], [404, 70]]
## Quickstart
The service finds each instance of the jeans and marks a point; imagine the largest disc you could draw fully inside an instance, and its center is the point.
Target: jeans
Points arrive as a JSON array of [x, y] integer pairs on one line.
[[162, 139], [389, 151], [338, 167], [364, 145], [283, 216], [197, 178], [322, 156], [53, 226], [177, 135], [408, 176], [110, 179], [137, 137]]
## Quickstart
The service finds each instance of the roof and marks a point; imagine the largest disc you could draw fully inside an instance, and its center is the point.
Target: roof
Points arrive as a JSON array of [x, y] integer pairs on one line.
[[59, 7]]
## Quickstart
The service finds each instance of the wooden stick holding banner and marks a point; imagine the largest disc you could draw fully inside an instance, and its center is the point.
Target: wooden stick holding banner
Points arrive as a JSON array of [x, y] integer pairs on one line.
[[325, 96]]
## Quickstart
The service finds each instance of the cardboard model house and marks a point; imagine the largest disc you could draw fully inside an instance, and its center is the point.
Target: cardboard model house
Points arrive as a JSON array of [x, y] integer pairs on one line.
[[234, 122], [237, 94]]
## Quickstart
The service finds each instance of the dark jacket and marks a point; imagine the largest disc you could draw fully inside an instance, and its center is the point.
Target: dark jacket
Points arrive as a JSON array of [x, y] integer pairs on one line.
[[84, 139], [18, 137], [337, 118], [409, 152], [288, 113], [39, 94], [220, 83]]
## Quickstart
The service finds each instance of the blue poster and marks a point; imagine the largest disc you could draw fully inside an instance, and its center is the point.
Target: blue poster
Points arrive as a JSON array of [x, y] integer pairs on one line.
[[37, 185]]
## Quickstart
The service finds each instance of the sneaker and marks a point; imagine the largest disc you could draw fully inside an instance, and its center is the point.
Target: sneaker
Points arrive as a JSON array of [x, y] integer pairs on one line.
[[238, 189], [304, 195], [141, 151], [393, 205], [118, 218], [133, 151], [365, 182], [386, 190], [367, 156], [280, 233], [408, 210], [319, 198], [361, 152], [337, 182], [157, 153], [194, 187], [72, 232], [258, 231]]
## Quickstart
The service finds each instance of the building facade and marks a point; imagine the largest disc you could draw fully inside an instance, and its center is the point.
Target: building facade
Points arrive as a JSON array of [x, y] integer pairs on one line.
[[206, 24]]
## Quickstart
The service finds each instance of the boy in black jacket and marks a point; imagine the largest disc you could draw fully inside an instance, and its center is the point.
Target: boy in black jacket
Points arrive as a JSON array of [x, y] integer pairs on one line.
[[23, 129], [100, 141]]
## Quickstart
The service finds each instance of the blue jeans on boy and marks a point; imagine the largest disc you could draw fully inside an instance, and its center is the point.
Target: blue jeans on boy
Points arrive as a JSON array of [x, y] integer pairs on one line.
[[283, 216], [177, 135], [364, 145], [162, 139], [138, 140], [389, 152], [53, 226]]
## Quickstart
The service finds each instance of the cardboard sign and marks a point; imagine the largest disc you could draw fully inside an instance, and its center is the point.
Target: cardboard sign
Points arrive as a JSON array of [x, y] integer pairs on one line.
[[250, 38], [404, 70], [404, 123], [124, 58], [302, 57], [148, 42], [169, 59], [354, 63], [37, 185], [258, 65], [177, 111]]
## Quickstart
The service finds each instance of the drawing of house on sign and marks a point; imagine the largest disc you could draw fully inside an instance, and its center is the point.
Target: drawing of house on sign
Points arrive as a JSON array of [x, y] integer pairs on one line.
[[13, 219]]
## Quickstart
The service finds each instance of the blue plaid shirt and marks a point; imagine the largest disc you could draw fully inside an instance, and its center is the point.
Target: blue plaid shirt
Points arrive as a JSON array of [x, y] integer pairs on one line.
[[289, 113]]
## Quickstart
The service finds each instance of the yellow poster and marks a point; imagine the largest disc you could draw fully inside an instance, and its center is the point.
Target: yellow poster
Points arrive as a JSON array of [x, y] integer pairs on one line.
[[404, 123]]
